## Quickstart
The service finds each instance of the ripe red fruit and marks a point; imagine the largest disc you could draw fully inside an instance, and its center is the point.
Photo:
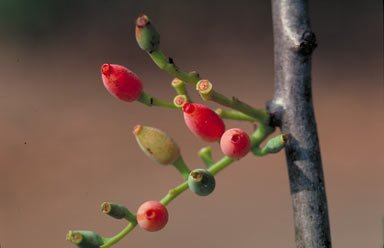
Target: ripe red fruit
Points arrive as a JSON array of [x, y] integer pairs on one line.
[[152, 216], [203, 121], [121, 82], [235, 143]]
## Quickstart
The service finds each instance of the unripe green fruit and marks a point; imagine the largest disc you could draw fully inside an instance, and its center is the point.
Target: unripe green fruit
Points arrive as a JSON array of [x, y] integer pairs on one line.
[[146, 34], [201, 182], [156, 144], [85, 239]]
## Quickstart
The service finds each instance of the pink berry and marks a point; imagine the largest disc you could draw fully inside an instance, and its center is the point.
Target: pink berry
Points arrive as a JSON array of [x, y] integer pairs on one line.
[[203, 121], [235, 143], [152, 216], [121, 82]]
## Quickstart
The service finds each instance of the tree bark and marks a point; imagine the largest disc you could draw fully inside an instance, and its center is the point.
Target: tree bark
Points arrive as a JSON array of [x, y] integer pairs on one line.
[[292, 110]]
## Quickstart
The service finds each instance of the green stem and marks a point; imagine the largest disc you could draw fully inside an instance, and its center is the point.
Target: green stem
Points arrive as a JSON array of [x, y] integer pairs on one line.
[[152, 101], [260, 115], [131, 217], [167, 65], [180, 88], [260, 151], [220, 165], [206, 156], [108, 242], [180, 165], [173, 193], [262, 132], [234, 115]]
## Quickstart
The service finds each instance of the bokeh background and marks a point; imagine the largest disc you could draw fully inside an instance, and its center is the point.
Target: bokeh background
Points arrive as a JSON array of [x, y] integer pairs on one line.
[[66, 144]]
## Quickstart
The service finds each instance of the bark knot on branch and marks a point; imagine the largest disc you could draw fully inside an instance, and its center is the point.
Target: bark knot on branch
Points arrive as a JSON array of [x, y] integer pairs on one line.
[[307, 43]]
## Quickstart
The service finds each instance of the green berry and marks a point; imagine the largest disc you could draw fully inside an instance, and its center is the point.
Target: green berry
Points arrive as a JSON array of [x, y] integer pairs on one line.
[[201, 182]]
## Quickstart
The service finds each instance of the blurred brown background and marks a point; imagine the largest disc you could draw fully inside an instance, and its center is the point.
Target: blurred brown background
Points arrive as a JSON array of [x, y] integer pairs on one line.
[[66, 144]]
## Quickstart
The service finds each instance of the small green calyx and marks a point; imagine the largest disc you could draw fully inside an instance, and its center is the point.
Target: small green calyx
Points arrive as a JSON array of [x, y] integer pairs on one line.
[[146, 34], [205, 88], [85, 239], [156, 144]]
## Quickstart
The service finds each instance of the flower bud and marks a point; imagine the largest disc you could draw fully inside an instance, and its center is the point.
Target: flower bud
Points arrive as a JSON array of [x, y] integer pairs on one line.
[[146, 34], [156, 144], [203, 121], [121, 82], [85, 239], [114, 210], [277, 143]]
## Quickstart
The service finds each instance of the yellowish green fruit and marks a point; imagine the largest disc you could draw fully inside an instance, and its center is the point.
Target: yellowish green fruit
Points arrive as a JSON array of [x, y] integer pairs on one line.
[[156, 144]]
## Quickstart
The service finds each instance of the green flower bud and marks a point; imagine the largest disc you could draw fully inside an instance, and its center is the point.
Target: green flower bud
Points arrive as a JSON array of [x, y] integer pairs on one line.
[[117, 211], [114, 210], [146, 34], [277, 143], [201, 182], [85, 239], [156, 144]]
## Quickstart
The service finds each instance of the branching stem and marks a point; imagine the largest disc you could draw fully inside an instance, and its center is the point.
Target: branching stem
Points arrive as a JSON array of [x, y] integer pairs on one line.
[[206, 156], [152, 101], [193, 78], [234, 115], [108, 242]]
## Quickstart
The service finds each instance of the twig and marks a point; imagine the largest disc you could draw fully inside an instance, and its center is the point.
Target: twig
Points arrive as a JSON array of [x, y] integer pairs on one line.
[[292, 110]]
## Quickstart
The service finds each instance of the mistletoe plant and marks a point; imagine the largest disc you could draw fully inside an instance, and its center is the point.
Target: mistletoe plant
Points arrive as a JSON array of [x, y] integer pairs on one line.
[[294, 43], [201, 120]]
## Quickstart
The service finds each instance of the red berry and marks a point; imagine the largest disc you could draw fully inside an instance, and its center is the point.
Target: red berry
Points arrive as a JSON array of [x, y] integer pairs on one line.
[[152, 216], [121, 82], [203, 121], [235, 143]]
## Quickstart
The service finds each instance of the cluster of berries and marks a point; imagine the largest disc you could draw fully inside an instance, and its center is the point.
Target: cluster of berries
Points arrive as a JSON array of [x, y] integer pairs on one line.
[[201, 120]]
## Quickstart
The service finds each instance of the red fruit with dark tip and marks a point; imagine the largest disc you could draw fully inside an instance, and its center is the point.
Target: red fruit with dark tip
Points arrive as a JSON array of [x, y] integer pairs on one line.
[[235, 143], [203, 121], [152, 216], [121, 82]]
